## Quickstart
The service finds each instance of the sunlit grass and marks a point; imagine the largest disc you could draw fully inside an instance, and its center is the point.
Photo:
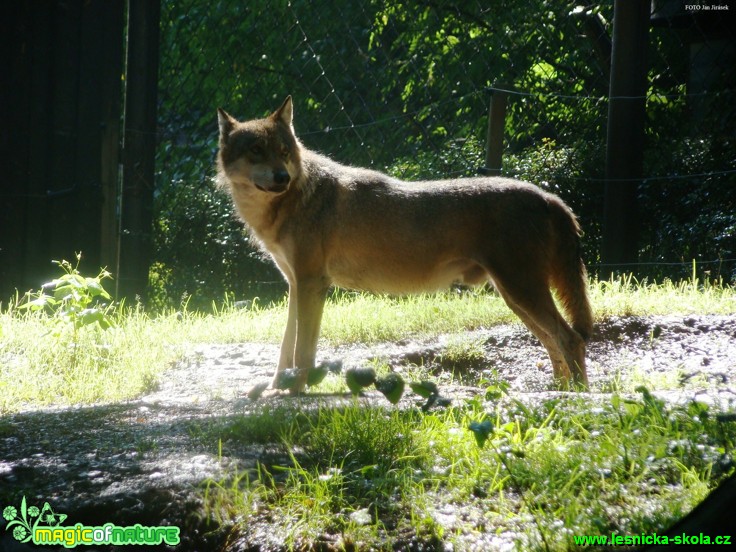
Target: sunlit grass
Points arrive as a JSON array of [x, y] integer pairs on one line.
[[41, 365], [365, 318], [547, 471], [626, 296], [362, 475]]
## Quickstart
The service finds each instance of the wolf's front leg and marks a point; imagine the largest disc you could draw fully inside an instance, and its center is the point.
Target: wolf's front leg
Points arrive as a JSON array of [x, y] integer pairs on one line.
[[311, 294], [286, 357]]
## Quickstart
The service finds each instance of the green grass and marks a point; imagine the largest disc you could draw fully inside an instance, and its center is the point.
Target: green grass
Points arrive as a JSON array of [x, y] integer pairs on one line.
[[547, 471], [42, 364], [45, 359], [627, 297], [357, 318], [361, 476]]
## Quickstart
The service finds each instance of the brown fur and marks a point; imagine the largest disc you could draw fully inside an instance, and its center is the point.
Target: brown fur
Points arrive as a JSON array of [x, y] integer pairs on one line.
[[327, 224]]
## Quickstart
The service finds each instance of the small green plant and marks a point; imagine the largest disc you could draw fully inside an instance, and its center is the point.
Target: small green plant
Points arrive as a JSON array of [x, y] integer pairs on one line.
[[69, 343], [73, 299], [72, 302]]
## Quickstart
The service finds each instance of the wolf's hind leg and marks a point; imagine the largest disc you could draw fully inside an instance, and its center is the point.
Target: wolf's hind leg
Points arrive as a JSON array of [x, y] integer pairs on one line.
[[531, 300], [559, 368]]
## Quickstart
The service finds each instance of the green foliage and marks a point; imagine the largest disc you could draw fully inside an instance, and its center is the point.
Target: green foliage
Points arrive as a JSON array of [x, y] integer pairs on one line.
[[74, 299], [620, 464], [74, 302], [499, 45], [692, 219], [457, 157], [67, 343], [404, 87]]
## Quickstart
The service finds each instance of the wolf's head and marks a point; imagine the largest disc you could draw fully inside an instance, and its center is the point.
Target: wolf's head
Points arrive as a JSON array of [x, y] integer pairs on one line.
[[262, 153]]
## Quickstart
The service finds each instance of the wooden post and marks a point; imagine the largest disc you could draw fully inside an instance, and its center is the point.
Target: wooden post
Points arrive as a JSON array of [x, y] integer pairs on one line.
[[139, 149], [625, 147], [494, 140]]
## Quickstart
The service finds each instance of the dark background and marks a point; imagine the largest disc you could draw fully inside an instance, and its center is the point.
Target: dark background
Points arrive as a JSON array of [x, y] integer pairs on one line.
[[109, 129]]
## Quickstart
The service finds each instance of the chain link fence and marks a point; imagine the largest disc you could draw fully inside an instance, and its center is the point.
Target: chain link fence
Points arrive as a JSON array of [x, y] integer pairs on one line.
[[404, 87]]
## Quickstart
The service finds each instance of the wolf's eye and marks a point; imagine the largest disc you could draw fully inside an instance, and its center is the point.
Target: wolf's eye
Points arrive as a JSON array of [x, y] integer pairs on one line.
[[256, 150], [285, 153]]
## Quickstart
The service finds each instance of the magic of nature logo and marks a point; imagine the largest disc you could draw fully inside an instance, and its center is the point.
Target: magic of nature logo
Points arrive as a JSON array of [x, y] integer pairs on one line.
[[45, 526]]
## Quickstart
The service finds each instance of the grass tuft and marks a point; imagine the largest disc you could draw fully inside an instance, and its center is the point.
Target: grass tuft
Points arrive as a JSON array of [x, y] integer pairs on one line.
[[547, 472]]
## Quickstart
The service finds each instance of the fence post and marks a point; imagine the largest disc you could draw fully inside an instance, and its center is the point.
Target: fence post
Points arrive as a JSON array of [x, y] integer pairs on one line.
[[139, 148], [494, 139], [625, 140]]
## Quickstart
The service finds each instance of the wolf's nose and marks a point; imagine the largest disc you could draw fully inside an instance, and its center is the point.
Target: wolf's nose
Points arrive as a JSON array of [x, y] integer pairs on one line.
[[281, 177]]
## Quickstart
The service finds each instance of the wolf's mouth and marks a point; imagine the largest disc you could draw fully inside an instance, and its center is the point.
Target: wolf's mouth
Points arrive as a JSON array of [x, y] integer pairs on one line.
[[276, 188], [275, 183]]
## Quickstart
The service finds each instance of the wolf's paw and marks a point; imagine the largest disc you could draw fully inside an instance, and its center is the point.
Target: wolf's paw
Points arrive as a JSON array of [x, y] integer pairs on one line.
[[256, 392]]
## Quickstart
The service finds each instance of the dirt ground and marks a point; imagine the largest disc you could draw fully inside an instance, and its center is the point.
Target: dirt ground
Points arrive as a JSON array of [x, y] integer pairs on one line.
[[144, 461]]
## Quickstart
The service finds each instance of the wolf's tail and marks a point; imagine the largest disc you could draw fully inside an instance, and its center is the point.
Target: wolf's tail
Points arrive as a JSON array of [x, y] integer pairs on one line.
[[569, 277]]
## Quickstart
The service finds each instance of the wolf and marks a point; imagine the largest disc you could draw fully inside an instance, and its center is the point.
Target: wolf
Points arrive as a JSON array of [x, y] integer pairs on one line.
[[325, 224]]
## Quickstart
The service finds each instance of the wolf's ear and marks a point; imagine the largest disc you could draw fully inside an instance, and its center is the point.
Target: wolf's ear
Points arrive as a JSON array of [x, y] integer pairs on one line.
[[225, 122], [285, 113]]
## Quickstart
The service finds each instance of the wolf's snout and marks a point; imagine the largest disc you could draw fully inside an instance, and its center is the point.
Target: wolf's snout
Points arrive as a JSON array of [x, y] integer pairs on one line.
[[281, 178]]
